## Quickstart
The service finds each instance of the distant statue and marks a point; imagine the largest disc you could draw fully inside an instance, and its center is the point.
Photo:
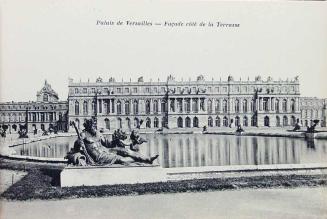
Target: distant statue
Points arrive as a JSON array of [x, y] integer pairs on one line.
[[239, 129], [170, 78], [230, 78], [200, 78], [297, 126], [258, 78], [92, 148], [22, 133], [98, 80], [2, 132], [296, 78], [140, 79], [312, 128]]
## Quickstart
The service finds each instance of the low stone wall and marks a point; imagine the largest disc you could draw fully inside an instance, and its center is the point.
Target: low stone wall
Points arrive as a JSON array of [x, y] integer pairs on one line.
[[113, 175]]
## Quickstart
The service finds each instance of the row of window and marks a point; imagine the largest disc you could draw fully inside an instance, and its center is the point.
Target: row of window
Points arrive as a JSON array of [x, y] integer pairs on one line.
[[197, 104], [183, 90], [311, 113], [212, 122], [34, 107], [33, 117]]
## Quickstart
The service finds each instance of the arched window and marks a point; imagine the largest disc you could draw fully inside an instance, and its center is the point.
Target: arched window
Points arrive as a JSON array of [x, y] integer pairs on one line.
[[266, 121], [156, 122], [107, 123], [195, 122], [253, 121], [120, 123], [252, 106], [128, 121], [136, 123], [284, 105], [148, 122], [225, 122], [237, 121], [277, 105], [118, 107], [237, 106], [217, 121], [265, 104], [209, 106], [76, 108], [180, 122], [195, 105], [85, 110], [285, 121], [147, 106], [217, 105], [210, 121], [188, 122], [163, 106], [245, 121], [277, 121], [172, 105], [245, 106], [93, 106], [188, 105], [155, 106], [293, 105], [135, 107], [127, 107], [224, 106], [180, 105], [293, 120], [45, 98]]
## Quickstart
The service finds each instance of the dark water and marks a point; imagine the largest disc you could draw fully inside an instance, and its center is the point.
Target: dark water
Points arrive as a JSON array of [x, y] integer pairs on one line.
[[190, 150]]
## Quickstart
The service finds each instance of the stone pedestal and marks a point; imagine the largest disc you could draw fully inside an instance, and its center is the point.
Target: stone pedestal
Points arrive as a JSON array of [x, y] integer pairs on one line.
[[110, 175]]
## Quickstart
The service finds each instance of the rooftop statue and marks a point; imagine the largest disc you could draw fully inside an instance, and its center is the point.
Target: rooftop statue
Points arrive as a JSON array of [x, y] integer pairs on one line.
[[140, 79], [200, 78], [91, 148], [99, 80], [258, 78], [170, 78], [230, 78]]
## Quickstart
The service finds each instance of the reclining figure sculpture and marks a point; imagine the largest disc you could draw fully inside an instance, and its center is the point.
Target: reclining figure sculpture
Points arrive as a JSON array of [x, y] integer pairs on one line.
[[91, 148]]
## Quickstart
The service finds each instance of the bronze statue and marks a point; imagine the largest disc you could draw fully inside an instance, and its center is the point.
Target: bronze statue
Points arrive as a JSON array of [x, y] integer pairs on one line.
[[92, 148]]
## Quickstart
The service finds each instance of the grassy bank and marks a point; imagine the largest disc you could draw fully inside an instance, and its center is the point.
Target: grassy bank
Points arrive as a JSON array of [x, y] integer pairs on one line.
[[43, 182]]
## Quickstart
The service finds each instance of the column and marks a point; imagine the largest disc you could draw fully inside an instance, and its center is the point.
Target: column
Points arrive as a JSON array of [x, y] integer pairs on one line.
[[159, 106], [198, 106], [175, 105], [273, 104], [288, 105], [108, 106], [269, 104], [112, 105], [182, 102]]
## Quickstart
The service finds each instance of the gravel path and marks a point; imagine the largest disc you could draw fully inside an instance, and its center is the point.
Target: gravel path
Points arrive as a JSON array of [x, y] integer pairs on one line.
[[248, 203]]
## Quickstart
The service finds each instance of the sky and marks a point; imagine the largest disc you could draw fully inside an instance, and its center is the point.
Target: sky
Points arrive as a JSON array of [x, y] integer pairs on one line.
[[57, 40]]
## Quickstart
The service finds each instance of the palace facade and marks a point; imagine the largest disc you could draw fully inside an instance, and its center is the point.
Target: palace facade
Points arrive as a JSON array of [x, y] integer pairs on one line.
[[313, 108], [187, 104], [44, 113]]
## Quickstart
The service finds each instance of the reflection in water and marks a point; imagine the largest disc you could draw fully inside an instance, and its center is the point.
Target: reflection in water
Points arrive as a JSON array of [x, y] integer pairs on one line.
[[192, 150], [311, 144]]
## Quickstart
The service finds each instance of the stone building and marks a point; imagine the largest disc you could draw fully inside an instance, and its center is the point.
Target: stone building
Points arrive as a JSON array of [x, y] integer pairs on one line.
[[313, 108], [187, 104], [44, 113]]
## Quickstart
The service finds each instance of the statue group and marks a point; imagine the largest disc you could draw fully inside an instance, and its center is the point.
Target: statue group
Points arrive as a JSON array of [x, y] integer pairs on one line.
[[92, 148]]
